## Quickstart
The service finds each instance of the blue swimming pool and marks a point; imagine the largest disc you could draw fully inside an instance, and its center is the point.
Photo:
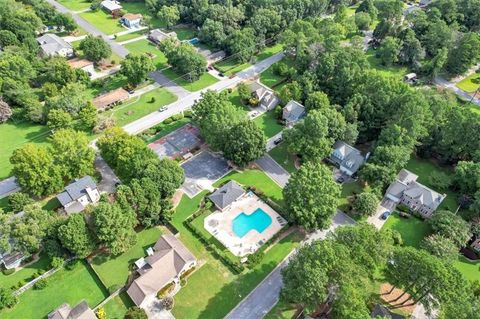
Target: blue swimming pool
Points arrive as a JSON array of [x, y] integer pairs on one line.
[[258, 220]]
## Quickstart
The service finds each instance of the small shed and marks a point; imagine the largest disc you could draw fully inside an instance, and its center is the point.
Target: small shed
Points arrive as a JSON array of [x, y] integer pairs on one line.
[[109, 99]]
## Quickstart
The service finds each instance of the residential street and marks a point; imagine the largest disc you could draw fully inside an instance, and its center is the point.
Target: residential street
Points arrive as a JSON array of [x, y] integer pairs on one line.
[[441, 82], [273, 169], [170, 85], [116, 48]]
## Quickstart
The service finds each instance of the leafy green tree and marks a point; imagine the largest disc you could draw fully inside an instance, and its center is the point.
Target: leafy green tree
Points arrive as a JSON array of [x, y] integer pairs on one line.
[[57, 71], [65, 21], [435, 65], [7, 299], [17, 201], [247, 142], [305, 207], [411, 52], [241, 44], [135, 313], [390, 9], [363, 20], [369, 7], [59, 119], [317, 101], [467, 177], [36, 171], [438, 36], [389, 51], [114, 227], [166, 174], [73, 153], [366, 203], [8, 38], [290, 91], [266, 22], [451, 226], [184, 59], [170, 15], [95, 48], [213, 33], [441, 247], [440, 180], [244, 92], [72, 98], [350, 303], [464, 55], [87, 117], [75, 236], [136, 67]]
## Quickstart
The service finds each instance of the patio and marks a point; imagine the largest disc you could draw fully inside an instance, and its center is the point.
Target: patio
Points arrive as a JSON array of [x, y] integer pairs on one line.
[[220, 225]]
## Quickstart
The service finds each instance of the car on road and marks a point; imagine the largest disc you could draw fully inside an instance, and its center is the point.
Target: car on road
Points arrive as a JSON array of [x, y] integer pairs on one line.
[[163, 108], [131, 91], [385, 215], [221, 74], [278, 141]]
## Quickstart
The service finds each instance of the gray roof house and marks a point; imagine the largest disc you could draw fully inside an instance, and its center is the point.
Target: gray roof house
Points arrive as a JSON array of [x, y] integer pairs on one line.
[[79, 194], [165, 263], [111, 6], [53, 45], [224, 196], [80, 311], [268, 100], [157, 35], [293, 112], [419, 198], [11, 259], [347, 157]]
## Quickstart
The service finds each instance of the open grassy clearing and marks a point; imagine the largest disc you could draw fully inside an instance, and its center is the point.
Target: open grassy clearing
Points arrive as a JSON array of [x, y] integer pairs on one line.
[[348, 189], [204, 81], [114, 271], [470, 269], [412, 229], [280, 154], [141, 106], [107, 84], [269, 124], [130, 36], [25, 274], [144, 46], [424, 168], [118, 306], [395, 70], [470, 84], [65, 286], [184, 33], [76, 5], [103, 21], [272, 80], [15, 135]]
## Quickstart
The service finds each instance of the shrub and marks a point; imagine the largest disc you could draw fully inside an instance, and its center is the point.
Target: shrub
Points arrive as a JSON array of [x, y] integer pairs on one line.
[[7, 272], [255, 258], [57, 262], [183, 282], [168, 121], [7, 299], [152, 100], [162, 293], [187, 113], [41, 284], [17, 201], [135, 313], [177, 117], [168, 303]]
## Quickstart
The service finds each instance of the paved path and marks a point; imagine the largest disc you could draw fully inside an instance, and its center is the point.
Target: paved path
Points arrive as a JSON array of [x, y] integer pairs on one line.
[[8, 186], [116, 48], [273, 169], [441, 82], [109, 179], [170, 85], [271, 141], [186, 102]]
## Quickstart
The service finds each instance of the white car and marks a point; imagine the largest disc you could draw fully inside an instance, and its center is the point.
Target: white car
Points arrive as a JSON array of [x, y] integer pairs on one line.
[[163, 108]]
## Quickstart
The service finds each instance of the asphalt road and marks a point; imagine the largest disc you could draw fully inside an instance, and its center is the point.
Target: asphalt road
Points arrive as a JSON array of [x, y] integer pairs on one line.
[[273, 169], [116, 48], [170, 85], [441, 82]]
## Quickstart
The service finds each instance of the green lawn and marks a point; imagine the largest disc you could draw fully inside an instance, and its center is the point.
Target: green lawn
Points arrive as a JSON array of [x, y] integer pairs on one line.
[[107, 84], [144, 46], [169, 128], [141, 106], [470, 84], [395, 70], [184, 33], [412, 230], [25, 274], [130, 36], [76, 5], [205, 80], [15, 135], [118, 306], [115, 270], [70, 286], [280, 154], [269, 124], [424, 168], [349, 189], [103, 21], [140, 7], [471, 270]]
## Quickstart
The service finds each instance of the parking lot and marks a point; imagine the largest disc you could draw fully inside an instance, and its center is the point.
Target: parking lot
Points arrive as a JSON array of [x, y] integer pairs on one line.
[[202, 170], [178, 143]]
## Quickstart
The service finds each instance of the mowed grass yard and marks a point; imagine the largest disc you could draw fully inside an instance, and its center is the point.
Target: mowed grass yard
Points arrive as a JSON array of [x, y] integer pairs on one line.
[[144, 46], [269, 124], [412, 229], [114, 271], [15, 135], [76, 5], [65, 286], [103, 21], [205, 80], [395, 70], [470, 84], [212, 290], [280, 154], [118, 306], [141, 106], [25, 274]]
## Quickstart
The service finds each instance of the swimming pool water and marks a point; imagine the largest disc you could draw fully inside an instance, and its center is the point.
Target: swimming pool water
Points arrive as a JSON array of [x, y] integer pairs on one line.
[[258, 220]]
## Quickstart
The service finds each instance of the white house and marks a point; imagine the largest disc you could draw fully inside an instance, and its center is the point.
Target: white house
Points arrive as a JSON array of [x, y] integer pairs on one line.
[[131, 20], [79, 194], [53, 45], [110, 6], [347, 157]]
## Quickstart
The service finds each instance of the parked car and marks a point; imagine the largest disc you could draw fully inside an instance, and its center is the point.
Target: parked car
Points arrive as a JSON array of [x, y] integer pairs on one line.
[[131, 91], [163, 108], [341, 179], [385, 215], [221, 74], [278, 141]]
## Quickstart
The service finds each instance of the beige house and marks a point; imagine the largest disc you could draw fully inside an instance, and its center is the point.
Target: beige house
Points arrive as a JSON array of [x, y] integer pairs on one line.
[[165, 263], [419, 198], [79, 194], [80, 311]]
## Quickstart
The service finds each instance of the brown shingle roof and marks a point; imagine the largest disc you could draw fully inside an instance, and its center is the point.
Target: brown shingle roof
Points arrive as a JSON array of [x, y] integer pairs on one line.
[[109, 98], [132, 16], [78, 63]]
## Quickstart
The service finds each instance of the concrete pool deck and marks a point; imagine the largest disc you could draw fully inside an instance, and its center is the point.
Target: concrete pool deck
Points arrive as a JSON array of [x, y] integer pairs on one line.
[[220, 225]]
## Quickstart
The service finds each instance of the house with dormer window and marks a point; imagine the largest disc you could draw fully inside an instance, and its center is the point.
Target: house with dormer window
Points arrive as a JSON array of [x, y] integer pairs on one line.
[[347, 158]]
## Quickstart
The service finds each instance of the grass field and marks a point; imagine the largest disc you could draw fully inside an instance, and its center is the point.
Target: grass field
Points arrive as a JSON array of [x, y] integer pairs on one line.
[[70, 286], [270, 79], [204, 81], [424, 168], [14, 136], [107, 84], [25, 274], [103, 21], [130, 36], [395, 70], [184, 33], [144, 46], [140, 106], [349, 189], [115, 270], [470, 84], [471, 270], [169, 128], [118, 306], [412, 230], [269, 124], [76, 5], [280, 154]]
